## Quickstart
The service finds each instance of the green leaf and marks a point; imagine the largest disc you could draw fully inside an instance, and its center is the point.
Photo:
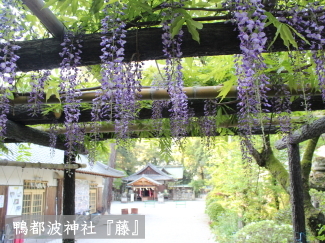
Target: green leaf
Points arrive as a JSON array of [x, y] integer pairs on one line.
[[96, 6], [51, 88], [178, 23], [112, 1], [287, 36], [192, 29], [145, 6], [50, 3], [299, 35], [9, 94], [226, 87], [196, 24], [74, 7], [285, 32], [189, 61]]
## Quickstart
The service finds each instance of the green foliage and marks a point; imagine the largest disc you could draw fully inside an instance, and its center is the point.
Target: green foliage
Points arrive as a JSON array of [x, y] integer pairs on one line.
[[197, 185], [117, 183], [226, 226], [266, 231], [23, 152], [192, 25], [214, 209], [318, 196], [285, 31], [209, 199], [283, 216]]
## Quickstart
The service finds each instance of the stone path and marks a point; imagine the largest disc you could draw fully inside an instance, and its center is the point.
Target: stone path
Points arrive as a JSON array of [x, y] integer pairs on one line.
[[164, 223]]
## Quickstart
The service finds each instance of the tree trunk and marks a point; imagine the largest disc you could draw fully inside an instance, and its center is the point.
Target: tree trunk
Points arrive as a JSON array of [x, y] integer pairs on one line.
[[266, 159], [314, 216], [296, 194], [306, 132], [108, 185], [112, 162]]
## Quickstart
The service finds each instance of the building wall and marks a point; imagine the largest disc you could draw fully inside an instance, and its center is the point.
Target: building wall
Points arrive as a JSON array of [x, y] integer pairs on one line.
[[15, 176], [3, 209]]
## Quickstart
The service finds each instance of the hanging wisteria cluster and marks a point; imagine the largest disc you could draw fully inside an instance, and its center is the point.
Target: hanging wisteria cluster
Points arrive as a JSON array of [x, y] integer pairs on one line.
[[38, 81], [119, 81], [173, 80], [208, 121], [69, 74], [252, 82], [310, 23], [10, 31], [116, 100]]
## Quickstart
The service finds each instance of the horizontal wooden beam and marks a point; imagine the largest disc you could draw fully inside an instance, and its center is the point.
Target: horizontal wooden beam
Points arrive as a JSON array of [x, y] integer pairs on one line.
[[149, 126], [47, 18], [141, 45], [42, 165], [21, 115], [204, 92], [24, 134]]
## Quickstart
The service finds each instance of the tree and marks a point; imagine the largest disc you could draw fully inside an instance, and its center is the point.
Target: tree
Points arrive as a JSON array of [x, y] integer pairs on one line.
[[267, 159]]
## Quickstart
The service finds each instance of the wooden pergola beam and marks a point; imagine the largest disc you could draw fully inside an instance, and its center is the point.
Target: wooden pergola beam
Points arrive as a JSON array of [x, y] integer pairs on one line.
[[47, 18], [192, 93], [24, 134], [41, 165], [141, 45]]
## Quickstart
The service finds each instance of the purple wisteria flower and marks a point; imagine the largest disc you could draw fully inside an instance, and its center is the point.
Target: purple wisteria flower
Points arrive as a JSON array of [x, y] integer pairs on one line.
[[309, 21], [11, 30], [37, 94], [174, 76], [252, 82], [69, 73], [120, 82]]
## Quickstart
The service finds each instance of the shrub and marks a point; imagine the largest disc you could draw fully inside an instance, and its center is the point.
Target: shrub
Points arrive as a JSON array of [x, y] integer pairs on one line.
[[226, 226], [266, 231], [214, 209]]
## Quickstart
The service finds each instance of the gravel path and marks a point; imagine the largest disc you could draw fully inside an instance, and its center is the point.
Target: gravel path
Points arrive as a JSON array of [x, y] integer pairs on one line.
[[167, 224], [164, 223]]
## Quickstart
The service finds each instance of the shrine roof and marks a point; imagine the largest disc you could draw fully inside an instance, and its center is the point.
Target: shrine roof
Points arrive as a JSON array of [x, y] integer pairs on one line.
[[150, 171], [145, 177]]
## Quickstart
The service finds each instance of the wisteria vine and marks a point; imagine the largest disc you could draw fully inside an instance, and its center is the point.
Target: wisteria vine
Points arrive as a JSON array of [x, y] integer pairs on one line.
[[117, 101], [36, 96], [117, 98], [173, 74], [69, 73], [11, 30]]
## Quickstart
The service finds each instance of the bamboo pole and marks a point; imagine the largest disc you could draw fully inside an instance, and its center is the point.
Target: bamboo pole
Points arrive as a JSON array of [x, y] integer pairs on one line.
[[41, 165], [204, 92], [149, 126], [47, 18]]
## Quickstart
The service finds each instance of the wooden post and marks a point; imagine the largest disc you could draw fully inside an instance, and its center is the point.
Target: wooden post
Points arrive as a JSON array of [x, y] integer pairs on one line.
[[296, 194], [69, 190], [112, 161], [108, 184]]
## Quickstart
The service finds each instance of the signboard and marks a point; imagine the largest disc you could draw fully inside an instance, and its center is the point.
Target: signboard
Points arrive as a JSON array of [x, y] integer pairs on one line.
[[81, 196], [15, 200]]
